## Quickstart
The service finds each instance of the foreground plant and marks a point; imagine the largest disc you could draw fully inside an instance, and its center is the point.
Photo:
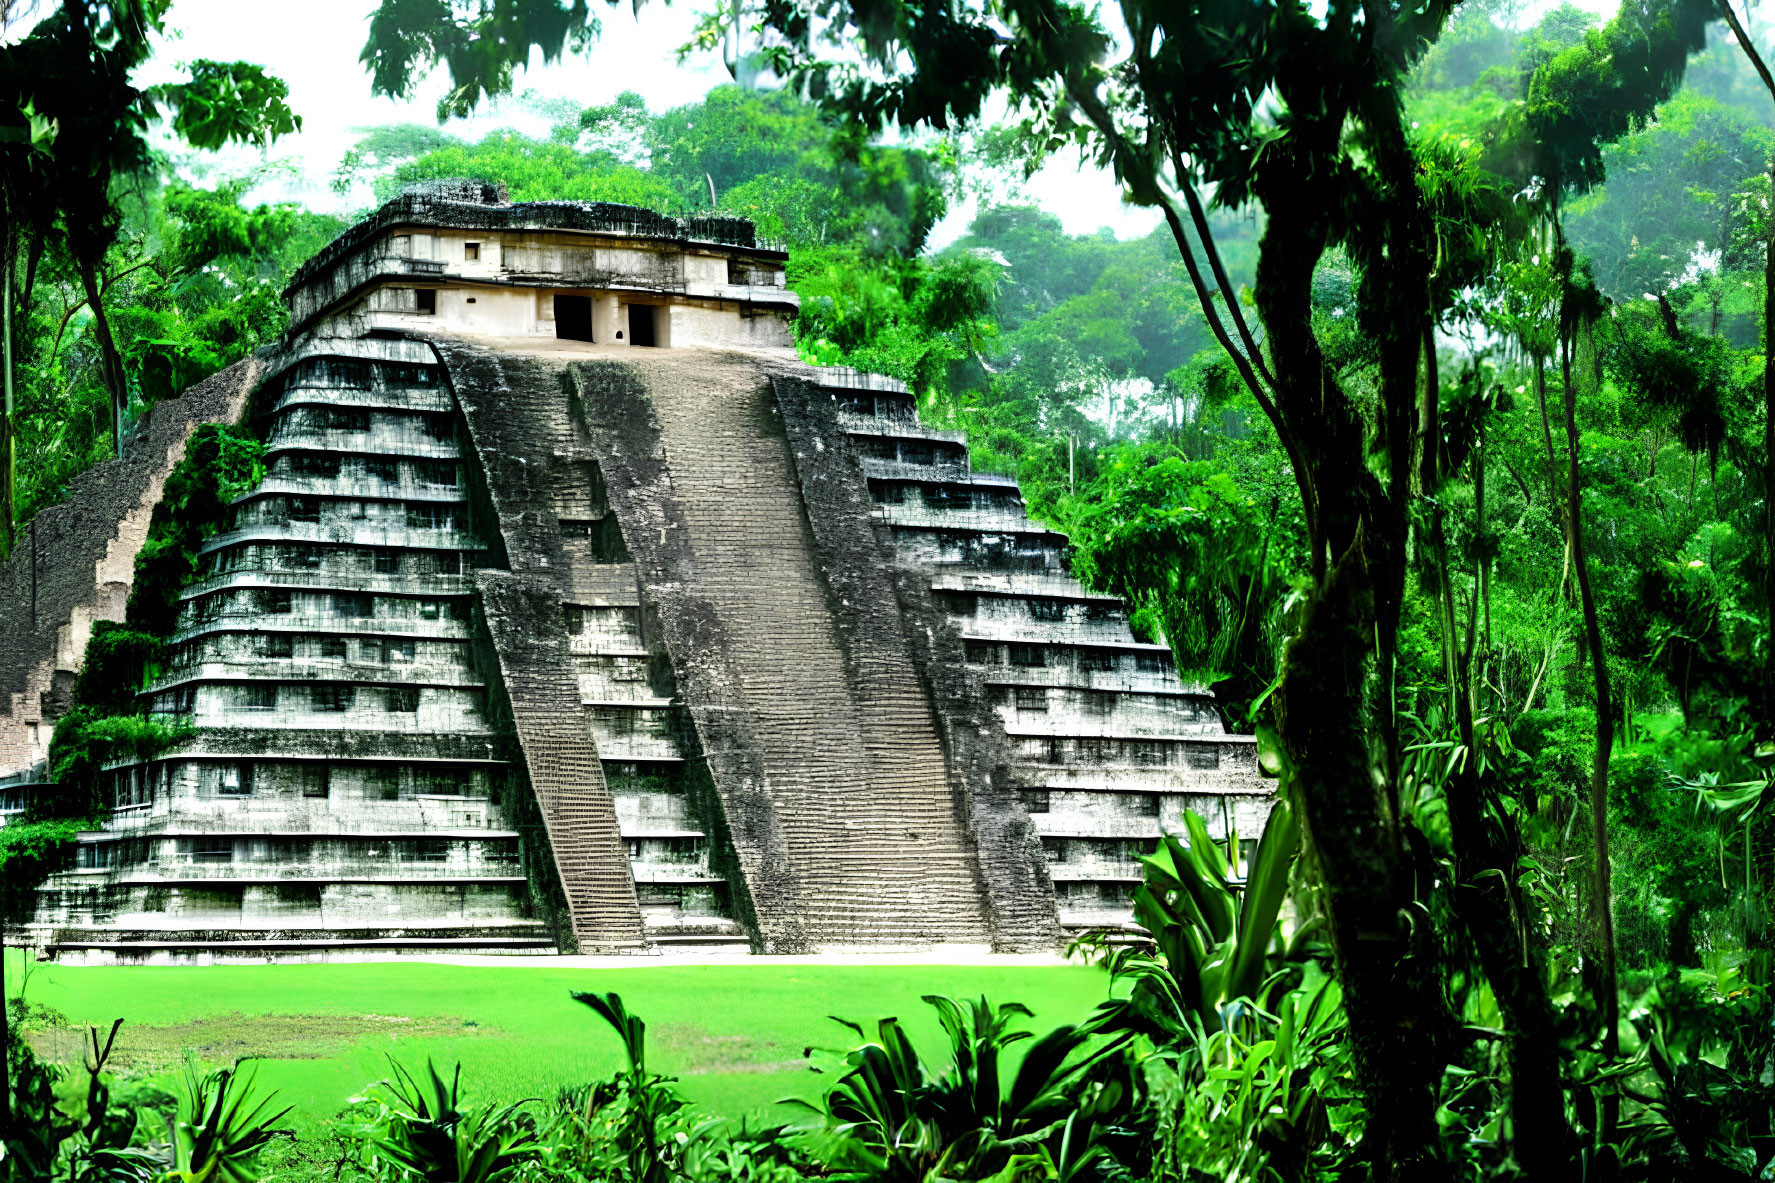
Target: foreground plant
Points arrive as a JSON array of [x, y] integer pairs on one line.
[[1243, 1041], [892, 1116], [423, 1131], [221, 1128]]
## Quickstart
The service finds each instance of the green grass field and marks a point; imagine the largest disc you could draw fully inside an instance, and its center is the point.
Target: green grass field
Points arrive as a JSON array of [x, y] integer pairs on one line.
[[734, 1034]]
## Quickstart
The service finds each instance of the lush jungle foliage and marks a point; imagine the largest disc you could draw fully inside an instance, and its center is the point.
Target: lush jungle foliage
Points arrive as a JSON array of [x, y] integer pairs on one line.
[[1432, 430]]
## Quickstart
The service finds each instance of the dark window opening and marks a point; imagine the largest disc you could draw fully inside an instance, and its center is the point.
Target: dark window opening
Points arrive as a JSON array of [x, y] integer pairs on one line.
[[426, 850], [471, 252], [316, 782], [573, 318], [308, 464], [959, 604], [426, 301], [642, 325], [205, 850], [347, 419], [332, 697], [1036, 800], [352, 607]]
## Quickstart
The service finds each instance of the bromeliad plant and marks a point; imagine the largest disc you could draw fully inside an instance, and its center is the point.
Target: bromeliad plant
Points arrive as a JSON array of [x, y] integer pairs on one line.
[[625, 1128], [1241, 1030], [221, 1128], [635, 1128], [217, 1132], [1217, 940], [895, 1118], [421, 1130]]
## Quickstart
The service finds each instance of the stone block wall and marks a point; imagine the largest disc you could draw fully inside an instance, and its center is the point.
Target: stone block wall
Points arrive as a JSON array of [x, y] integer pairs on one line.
[[75, 562]]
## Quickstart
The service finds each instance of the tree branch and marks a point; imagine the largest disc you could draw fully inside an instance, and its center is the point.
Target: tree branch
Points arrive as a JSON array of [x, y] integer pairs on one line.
[[1142, 183], [106, 286], [1749, 47], [1205, 235], [1520, 483]]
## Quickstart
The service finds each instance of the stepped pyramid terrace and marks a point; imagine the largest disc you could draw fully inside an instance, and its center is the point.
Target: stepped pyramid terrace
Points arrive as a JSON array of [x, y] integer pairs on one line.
[[573, 612]]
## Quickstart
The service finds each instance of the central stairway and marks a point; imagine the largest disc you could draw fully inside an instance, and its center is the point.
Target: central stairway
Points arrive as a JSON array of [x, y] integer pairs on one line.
[[822, 746]]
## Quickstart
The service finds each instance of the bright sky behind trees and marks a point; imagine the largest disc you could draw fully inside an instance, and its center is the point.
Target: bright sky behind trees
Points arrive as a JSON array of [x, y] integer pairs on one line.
[[314, 47]]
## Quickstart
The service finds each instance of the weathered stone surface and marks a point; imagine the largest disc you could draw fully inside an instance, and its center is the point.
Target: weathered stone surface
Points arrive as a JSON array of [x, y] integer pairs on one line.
[[76, 562], [891, 626], [524, 616], [825, 753], [608, 646], [515, 437]]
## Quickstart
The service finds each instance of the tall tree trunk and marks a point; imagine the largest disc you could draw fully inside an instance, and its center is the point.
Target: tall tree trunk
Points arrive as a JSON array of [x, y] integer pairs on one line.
[[9, 415], [1334, 679], [1769, 442], [1485, 862], [1742, 35], [33, 257], [113, 364], [1482, 565], [1608, 990]]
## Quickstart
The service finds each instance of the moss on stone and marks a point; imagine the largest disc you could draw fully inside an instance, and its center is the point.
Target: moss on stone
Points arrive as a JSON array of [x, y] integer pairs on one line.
[[220, 464], [29, 853], [105, 722]]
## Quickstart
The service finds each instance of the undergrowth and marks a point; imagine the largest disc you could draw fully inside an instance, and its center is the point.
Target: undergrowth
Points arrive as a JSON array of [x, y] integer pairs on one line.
[[220, 464], [105, 722], [30, 852]]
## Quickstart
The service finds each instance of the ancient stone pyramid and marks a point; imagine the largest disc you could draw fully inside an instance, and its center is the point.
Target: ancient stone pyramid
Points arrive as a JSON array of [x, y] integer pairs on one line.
[[574, 612]]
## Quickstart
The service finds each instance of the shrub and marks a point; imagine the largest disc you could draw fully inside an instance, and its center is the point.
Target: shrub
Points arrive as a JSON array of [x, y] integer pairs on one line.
[[29, 853], [220, 464]]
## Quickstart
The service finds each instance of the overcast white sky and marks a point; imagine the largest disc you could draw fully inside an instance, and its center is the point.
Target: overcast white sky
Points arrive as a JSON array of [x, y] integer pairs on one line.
[[314, 47]]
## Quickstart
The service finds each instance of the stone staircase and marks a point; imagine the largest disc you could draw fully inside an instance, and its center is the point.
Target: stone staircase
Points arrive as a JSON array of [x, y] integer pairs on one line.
[[823, 745]]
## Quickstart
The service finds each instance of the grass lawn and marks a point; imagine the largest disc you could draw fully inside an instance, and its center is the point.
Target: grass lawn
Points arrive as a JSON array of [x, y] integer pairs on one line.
[[733, 1033]]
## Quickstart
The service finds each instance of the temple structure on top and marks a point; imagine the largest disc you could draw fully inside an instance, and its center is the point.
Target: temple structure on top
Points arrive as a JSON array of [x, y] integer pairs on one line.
[[573, 612]]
